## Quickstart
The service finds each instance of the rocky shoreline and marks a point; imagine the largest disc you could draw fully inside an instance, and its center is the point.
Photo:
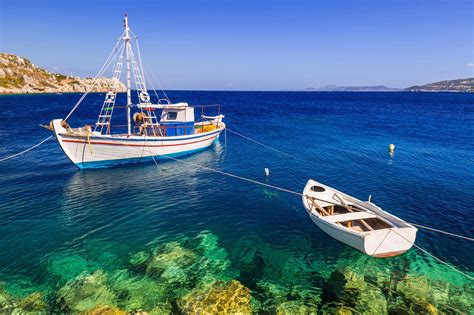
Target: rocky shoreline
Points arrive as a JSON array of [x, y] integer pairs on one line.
[[20, 76]]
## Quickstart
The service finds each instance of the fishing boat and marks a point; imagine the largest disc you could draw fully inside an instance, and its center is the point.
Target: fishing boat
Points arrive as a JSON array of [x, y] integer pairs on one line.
[[153, 130], [360, 224]]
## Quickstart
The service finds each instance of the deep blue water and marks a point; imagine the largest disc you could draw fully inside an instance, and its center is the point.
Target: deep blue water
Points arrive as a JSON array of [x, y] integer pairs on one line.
[[48, 206]]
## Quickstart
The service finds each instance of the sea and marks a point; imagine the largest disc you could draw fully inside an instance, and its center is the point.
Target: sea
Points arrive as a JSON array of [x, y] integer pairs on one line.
[[173, 237]]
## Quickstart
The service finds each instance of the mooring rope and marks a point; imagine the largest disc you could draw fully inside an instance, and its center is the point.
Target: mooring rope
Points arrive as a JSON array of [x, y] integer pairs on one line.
[[228, 174], [88, 90], [444, 232], [261, 144], [434, 257], [294, 157], [24, 151], [294, 193]]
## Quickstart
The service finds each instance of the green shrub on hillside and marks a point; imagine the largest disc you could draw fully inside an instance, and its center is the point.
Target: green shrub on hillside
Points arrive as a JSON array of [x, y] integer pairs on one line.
[[12, 81]]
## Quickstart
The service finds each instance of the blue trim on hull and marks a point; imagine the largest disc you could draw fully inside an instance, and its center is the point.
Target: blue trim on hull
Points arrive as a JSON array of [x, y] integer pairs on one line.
[[110, 163]]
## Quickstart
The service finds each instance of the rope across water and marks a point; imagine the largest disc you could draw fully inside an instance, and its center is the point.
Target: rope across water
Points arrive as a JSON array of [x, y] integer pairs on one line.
[[24, 151], [89, 89], [284, 153], [300, 194]]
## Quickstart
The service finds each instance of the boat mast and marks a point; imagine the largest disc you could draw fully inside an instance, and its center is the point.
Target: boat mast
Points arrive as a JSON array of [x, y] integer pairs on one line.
[[126, 38]]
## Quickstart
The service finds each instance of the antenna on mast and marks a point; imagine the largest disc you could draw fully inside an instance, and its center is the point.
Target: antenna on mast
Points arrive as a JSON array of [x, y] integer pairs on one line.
[[125, 22]]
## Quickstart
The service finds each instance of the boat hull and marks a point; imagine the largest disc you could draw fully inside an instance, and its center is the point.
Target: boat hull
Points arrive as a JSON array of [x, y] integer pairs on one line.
[[99, 151], [351, 239], [381, 244]]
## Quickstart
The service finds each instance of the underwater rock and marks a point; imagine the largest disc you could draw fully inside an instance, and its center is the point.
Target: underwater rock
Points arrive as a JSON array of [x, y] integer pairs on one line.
[[7, 304], [185, 264], [414, 289], [285, 298], [106, 254], [372, 301], [33, 303], [161, 309], [84, 293], [463, 300], [139, 261], [344, 286], [106, 310], [295, 307], [219, 298], [350, 289], [138, 294], [171, 258], [272, 293], [294, 285], [336, 309], [422, 294], [213, 259], [67, 266]]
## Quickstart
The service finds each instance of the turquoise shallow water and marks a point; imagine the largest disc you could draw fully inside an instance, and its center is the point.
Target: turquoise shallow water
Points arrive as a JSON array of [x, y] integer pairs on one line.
[[142, 237]]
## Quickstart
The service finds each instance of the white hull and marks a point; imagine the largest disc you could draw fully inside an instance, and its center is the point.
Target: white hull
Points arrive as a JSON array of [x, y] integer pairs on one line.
[[98, 151], [384, 242]]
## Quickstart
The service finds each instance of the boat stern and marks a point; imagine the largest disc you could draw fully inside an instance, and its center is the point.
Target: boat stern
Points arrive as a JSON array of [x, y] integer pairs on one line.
[[389, 242]]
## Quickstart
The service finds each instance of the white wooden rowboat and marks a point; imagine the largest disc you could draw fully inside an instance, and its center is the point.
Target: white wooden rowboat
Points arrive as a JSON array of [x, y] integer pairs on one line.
[[357, 223]]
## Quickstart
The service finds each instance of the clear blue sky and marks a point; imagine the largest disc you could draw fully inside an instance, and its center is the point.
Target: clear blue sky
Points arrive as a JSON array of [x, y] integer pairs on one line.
[[252, 45]]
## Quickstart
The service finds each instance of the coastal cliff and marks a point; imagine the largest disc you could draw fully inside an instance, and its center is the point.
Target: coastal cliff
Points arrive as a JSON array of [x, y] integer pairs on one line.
[[20, 75]]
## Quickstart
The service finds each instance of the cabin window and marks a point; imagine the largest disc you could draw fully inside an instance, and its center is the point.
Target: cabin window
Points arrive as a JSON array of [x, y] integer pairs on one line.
[[172, 116]]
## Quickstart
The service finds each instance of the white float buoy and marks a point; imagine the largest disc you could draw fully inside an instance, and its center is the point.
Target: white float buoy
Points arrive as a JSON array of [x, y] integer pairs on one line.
[[391, 148], [266, 171]]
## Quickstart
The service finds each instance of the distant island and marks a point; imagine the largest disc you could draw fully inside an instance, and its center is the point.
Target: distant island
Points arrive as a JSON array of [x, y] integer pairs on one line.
[[335, 88], [19, 75], [460, 85]]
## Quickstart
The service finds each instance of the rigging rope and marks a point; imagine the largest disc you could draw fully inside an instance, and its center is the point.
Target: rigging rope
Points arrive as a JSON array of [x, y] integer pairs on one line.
[[152, 74], [155, 80], [24, 151], [104, 67], [101, 71]]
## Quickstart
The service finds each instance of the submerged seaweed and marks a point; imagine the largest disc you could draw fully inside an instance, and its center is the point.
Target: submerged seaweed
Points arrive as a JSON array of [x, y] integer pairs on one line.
[[197, 275]]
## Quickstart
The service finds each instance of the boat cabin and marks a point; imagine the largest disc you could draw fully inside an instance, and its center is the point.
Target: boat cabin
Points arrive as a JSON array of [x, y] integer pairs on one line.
[[177, 119]]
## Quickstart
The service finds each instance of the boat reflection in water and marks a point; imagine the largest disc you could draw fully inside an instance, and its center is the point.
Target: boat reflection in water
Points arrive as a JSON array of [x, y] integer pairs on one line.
[[105, 193]]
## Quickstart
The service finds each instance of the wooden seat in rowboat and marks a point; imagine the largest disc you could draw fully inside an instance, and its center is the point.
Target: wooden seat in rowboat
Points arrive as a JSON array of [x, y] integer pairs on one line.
[[356, 228], [351, 216]]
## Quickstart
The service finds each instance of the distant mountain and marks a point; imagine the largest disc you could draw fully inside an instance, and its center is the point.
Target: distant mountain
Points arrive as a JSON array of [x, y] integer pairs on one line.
[[335, 88], [459, 85], [19, 75]]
